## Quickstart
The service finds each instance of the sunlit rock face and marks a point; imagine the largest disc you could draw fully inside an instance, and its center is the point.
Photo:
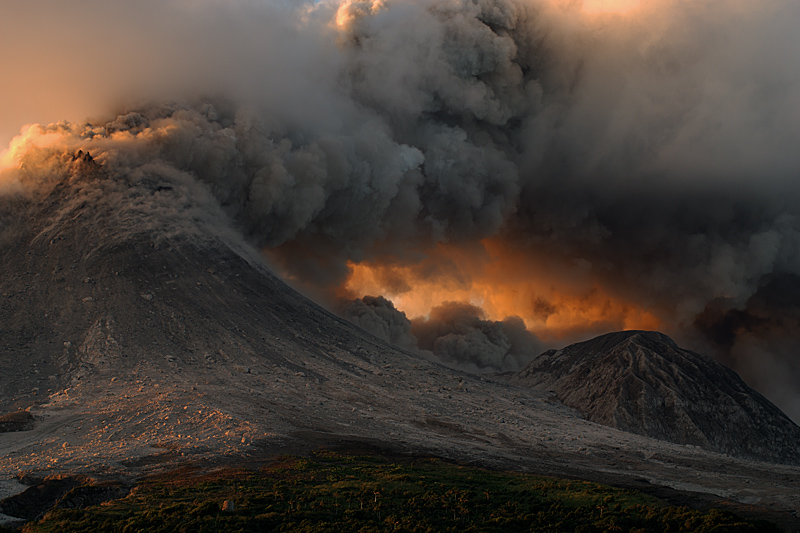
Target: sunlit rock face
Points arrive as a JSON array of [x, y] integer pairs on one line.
[[642, 382]]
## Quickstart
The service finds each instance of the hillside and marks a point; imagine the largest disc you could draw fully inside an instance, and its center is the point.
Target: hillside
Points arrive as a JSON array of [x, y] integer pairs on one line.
[[642, 382], [141, 332]]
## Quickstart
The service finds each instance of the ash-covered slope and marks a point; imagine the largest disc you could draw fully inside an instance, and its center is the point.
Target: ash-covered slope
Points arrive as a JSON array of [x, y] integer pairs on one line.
[[101, 275], [133, 290], [139, 328], [141, 332], [642, 382]]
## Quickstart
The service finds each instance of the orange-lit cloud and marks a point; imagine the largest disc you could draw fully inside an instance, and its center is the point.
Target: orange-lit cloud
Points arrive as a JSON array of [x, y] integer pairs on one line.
[[556, 298], [22, 151], [351, 10]]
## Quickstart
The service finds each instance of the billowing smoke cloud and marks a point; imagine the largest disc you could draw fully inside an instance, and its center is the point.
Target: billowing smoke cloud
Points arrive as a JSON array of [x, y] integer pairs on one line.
[[654, 153], [456, 334], [378, 315]]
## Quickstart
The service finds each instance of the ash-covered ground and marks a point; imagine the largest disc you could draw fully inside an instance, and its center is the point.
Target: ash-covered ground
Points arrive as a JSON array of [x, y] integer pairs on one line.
[[141, 339]]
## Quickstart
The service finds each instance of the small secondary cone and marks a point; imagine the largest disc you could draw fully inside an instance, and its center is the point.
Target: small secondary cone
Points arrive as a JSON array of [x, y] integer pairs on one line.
[[644, 383]]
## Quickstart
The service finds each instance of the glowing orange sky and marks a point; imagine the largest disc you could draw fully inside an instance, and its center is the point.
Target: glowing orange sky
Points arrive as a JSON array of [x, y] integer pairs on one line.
[[555, 299], [609, 6]]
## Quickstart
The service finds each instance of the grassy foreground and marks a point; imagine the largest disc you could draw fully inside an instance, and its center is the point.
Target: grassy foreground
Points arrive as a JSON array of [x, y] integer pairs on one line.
[[328, 492]]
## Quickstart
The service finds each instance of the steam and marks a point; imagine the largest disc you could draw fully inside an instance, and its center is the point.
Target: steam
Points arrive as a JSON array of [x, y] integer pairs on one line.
[[655, 150]]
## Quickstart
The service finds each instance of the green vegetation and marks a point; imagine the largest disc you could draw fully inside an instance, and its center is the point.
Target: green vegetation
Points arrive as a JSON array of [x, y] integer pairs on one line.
[[328, 492]]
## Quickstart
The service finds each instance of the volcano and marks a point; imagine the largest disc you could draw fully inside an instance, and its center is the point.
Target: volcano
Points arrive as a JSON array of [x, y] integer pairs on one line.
[[140, 331], [641, 381]]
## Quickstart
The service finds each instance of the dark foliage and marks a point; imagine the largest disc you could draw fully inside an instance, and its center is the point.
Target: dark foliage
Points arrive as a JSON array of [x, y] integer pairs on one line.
[[331, 493]]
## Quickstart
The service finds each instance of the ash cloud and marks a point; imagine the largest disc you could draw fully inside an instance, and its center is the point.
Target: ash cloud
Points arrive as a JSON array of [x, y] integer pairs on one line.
[[761, 337], [459, 334], [658, 149], [454, 333], [379, 316]]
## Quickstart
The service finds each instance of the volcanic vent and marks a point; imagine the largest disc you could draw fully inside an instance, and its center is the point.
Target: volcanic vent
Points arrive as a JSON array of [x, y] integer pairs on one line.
[[642, 382]]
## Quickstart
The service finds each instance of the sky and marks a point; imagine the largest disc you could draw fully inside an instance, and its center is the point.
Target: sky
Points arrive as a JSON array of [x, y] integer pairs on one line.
[[508, 175]]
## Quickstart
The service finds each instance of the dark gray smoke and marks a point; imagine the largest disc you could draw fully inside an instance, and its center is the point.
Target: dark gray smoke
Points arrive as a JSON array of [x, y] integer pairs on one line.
[[378, 315], [761, 338], [457, 334], [657, 150]]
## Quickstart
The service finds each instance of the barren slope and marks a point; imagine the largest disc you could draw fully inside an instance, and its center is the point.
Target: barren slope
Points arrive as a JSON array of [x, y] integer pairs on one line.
[[641, 381], [141, 335]]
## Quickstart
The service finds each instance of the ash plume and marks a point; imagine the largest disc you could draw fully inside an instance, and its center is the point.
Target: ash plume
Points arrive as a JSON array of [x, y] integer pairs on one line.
[[456, 334], [379, 316], [459, 334], [656, 149]]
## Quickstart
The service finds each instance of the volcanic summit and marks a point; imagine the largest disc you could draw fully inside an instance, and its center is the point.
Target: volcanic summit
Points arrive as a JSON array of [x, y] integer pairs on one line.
[[641, 381]]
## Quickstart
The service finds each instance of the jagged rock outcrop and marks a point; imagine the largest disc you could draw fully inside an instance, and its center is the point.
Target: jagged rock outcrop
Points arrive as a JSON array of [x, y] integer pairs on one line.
[[642, 382]]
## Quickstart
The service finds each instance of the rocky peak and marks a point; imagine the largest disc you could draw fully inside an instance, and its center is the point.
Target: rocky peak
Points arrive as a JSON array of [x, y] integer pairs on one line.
[[644, 383]]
